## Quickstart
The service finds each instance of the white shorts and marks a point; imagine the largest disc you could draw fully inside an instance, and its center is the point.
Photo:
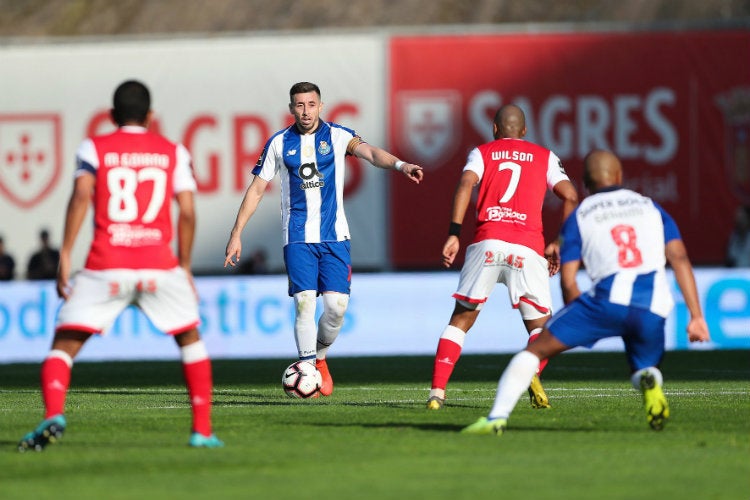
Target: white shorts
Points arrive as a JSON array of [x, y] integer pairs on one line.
[[519, 268], [166, 297]]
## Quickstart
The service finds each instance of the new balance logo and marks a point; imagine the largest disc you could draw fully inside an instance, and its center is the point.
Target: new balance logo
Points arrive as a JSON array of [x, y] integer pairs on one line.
[[446, 361]]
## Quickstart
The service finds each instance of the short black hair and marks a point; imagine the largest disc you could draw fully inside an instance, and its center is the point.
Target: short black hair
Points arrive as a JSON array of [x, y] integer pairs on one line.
[[303, 88], [131, 103]]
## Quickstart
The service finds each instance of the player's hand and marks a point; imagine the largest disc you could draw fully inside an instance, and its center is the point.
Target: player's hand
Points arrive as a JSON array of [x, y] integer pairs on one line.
[[63, 277], [552, 254], [697, 330], [450, 250], [233, 251], [413, 172]]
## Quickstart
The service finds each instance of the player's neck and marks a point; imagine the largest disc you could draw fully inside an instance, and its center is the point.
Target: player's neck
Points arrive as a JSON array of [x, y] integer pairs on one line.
[[311, 131]]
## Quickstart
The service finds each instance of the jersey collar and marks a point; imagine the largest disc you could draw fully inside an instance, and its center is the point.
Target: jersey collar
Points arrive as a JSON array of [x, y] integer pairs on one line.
[[133, 129]]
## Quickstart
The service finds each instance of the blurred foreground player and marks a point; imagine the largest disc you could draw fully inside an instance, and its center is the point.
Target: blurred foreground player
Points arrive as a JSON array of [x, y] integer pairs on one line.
[[622, 238], [513, 176], [131, 175]]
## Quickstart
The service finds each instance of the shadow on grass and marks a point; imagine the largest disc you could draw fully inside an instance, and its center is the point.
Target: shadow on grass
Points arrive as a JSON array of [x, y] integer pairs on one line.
[[677, 365], [444, 427]]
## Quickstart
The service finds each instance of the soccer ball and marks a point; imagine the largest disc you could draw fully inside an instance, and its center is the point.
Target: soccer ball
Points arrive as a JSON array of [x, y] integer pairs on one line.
[[301, 380]]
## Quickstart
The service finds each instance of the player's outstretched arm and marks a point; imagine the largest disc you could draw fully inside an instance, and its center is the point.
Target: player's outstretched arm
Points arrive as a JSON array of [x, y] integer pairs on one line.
[[78, 205], [250, 202], [383, 159], [683, 272]]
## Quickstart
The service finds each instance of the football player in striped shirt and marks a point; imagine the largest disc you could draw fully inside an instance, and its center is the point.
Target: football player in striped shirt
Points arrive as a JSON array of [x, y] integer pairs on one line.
[[309, 158], [624, 239]]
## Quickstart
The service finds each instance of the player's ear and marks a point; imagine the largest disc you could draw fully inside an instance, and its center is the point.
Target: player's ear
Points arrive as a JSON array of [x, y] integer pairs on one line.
[[113, 116], [291, 108], [523, 132], [149, 116], [618, 178]]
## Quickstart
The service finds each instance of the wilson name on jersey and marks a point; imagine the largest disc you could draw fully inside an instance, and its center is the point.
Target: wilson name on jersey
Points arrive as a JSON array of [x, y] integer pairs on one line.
[[514, 175]]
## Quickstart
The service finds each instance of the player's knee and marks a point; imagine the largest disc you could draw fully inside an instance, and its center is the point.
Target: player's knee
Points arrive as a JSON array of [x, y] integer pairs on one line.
[[304, 302], [334, 307]]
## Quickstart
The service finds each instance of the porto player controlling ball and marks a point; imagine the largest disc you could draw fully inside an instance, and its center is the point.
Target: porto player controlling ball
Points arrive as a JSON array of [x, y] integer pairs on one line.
[[309, 158]]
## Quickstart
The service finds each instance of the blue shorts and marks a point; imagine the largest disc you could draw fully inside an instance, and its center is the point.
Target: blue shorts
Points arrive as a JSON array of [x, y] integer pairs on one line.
[[323, 267], [587, 319]]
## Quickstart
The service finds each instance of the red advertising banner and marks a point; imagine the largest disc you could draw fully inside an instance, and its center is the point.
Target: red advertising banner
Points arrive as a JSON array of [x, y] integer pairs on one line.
[[674, 106]]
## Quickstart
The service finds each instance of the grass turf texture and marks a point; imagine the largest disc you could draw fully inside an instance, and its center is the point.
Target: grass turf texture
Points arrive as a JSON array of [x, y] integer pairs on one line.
[[128, 427]]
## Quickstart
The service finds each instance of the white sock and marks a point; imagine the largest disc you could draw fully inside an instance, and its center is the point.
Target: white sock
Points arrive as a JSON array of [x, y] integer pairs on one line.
[[330, 322], [513, 382], [635, 379], [192, 353], [305, 333]]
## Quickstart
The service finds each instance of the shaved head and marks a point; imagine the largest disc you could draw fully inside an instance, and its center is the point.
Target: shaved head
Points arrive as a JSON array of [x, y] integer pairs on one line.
[[510, 122], [601, 169]]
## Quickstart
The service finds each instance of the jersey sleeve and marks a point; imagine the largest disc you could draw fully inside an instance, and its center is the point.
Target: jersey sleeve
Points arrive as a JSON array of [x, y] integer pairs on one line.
[[353, 143], [570, 233], [183, 180], [475, 163], [555, 171], [87, 161], [671, 231], [267, 167]]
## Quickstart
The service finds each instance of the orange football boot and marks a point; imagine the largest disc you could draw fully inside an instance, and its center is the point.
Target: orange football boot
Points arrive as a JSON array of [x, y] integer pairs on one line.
[[326, 388]]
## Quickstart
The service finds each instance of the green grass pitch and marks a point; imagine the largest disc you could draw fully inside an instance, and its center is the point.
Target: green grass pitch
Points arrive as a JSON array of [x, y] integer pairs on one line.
[[128, 427]]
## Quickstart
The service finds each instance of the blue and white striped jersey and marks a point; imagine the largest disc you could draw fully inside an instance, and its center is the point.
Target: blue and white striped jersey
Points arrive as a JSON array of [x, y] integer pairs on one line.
[[620, 236], [311, 168]]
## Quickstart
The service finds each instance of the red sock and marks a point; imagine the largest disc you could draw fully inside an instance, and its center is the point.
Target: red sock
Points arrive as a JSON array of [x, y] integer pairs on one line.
[[55, 380], [542, 363], [446, 358], [199, 383]]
